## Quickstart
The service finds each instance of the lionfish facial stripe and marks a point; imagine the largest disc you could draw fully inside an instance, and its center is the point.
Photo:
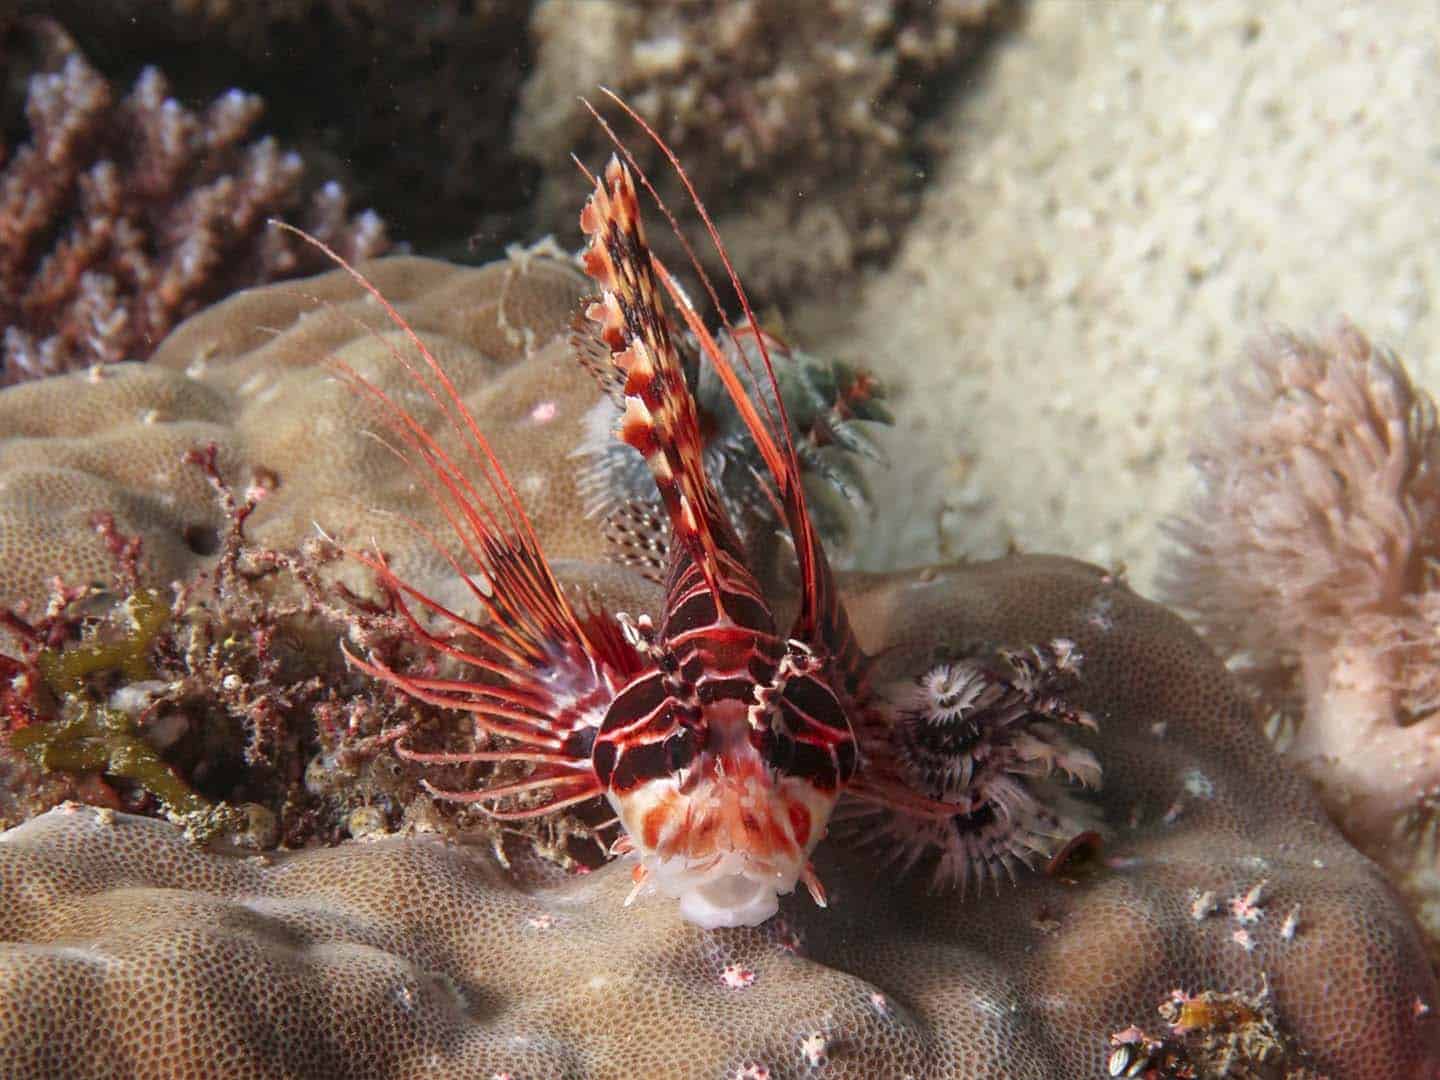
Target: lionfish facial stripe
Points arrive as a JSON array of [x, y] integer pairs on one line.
[[653, 728], [636, 702], [697, 610], [735, 576], [639, 764], [814, 702], [712, 689]]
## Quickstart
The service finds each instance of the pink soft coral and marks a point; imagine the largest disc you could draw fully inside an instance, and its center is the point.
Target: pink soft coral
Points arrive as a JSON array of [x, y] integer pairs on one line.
[[1310, 558]]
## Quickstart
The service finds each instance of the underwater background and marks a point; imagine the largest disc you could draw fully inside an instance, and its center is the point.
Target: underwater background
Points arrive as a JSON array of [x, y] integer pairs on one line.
[[1064, 236]]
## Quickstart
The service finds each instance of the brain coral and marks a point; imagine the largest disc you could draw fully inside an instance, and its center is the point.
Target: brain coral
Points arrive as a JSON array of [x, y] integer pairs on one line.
[[127, 951], [243, 375]]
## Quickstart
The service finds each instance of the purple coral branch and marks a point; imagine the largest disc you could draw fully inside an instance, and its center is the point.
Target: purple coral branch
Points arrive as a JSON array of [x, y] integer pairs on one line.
[[120, 218]]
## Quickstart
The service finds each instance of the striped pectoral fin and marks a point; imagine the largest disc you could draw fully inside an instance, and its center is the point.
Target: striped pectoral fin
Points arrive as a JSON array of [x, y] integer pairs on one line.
[[536, 676]]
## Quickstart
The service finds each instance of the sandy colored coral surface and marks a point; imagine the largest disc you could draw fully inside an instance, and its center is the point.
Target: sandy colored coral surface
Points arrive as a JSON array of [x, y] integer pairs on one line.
[[1126, 194], [250, 375], [124, 949]]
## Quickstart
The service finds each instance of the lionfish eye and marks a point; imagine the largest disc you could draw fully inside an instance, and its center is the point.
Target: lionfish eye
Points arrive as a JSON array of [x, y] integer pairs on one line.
[[778, 749], [680, 749]]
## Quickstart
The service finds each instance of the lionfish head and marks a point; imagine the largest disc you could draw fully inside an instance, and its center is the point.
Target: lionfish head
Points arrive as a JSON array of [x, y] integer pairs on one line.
[[725, 782]]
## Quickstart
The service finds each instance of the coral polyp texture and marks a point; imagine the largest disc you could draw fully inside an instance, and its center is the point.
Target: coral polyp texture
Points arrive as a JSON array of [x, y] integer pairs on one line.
[[248, 375], [1310, 559], [1225, 910], [795, 98], [122, 215]]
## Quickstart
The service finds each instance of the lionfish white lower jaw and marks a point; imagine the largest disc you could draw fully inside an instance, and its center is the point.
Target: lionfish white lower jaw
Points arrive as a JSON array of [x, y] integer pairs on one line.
[[727, 846]]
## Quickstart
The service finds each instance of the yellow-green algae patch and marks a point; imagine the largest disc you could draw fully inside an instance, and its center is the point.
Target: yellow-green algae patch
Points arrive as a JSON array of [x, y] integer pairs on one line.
[[92, 737]]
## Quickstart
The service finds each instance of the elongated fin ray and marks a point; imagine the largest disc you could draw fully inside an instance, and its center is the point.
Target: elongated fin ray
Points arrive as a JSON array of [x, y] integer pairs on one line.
[[544, 673], [821, 617]]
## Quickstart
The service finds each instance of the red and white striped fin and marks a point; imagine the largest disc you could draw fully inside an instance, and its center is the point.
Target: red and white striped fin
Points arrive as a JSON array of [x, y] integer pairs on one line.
[[821, 618], [660, 418], [543, 674]]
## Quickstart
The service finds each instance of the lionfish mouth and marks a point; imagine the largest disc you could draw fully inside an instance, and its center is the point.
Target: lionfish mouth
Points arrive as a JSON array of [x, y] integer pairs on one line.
[[729, 889], [727, 848]]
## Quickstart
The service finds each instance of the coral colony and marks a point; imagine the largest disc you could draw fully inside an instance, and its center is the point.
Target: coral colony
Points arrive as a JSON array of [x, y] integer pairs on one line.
[[1310, 558], [1180, 909], [123, 215]]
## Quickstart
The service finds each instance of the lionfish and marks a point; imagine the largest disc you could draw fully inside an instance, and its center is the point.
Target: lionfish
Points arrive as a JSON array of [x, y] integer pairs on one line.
[[722, 744]]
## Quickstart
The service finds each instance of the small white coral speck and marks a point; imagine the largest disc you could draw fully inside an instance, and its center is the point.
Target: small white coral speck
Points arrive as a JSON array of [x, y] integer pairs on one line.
[[1246, 909], [814, 1048], [737, 976], [1198, 784], [1291, 924], [1202, 904]]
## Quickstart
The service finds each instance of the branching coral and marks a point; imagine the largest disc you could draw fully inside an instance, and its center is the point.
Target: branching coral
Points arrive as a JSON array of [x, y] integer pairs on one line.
[[410, 107], [1311, 557], [204, 702], [120, 217]]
